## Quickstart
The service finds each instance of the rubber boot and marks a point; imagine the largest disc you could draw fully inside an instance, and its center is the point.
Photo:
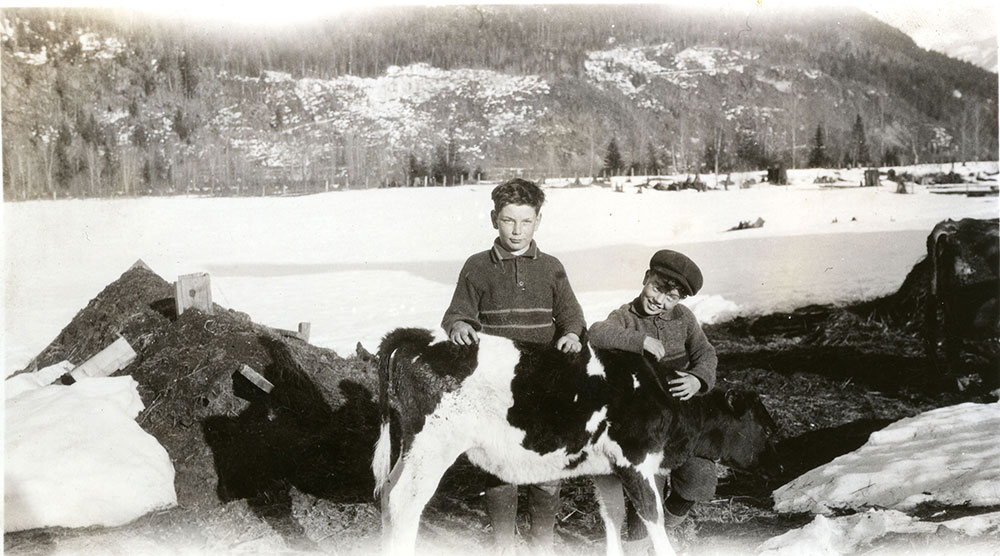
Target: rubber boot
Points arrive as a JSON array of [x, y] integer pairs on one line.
[[501, 506], [543, 504], [675, 510]]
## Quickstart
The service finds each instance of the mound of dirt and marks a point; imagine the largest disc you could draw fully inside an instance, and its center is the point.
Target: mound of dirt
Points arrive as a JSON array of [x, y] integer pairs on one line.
[[227, 438]]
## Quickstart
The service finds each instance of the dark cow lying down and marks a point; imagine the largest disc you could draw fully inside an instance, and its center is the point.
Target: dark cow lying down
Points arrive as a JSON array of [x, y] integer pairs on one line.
[[529, 414]]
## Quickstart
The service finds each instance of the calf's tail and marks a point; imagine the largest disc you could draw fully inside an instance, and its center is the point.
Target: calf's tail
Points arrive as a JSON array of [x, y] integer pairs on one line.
[[408, 339], [382, 459]]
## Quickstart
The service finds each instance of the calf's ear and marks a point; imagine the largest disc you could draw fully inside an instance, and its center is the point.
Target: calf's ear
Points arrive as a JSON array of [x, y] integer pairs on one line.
[[735, 400]]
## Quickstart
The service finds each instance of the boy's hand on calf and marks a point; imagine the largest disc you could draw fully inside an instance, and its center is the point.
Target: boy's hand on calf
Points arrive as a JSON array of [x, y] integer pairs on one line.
[[684, 387], [570, 343], [463, 334], [654, 347]]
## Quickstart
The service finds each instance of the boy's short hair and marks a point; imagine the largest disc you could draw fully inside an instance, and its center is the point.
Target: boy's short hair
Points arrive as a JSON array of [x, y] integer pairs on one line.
[[666, 283], [518, 191]]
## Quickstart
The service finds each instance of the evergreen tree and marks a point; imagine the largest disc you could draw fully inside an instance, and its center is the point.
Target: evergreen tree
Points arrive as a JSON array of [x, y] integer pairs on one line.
[[64, 170], [183, 125], [750, 151], [613, 158], [189, 74], [440, 169], [414, 169], [652, 161], [817, 156], [859, 146]]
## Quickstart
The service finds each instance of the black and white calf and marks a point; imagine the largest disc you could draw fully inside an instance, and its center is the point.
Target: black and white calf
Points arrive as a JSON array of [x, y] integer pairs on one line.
[[529, 414]]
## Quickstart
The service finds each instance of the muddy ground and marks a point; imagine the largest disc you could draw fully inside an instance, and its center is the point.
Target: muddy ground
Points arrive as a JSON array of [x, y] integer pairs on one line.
[[287, 472]]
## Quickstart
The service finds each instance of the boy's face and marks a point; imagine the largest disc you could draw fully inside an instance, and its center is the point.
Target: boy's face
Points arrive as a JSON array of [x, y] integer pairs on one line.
[[516, 225], [657, 296]]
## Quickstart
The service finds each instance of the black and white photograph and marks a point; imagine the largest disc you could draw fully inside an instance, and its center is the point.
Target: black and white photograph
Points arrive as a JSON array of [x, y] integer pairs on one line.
[[518, 279]]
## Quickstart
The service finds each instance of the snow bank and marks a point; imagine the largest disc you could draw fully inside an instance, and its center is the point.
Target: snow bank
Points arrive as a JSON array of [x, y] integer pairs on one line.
[[948, 455], [847, 535], [17, 385], [75, 457]]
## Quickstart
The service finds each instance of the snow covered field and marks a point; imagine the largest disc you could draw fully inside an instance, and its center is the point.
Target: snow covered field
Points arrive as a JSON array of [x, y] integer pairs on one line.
[[358, 263]]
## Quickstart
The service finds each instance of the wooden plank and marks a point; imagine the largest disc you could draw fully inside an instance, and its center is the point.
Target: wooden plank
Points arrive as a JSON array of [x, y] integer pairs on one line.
[[194, 291], [304, 329], [113, 358], [256, 378], [302, 333]]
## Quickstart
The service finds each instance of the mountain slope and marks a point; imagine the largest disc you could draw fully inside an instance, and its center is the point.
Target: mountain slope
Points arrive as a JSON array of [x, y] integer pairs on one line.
[[99, 103]]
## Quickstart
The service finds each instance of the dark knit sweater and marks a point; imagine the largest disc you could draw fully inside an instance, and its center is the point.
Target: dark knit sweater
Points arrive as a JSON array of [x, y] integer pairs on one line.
[[526, 297], [687, 348]]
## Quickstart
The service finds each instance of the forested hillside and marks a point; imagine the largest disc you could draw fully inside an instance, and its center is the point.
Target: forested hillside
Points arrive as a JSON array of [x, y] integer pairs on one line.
[[109, 102]]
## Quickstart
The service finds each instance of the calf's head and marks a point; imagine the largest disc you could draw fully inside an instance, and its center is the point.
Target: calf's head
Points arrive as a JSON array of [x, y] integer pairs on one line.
[[739, 432]]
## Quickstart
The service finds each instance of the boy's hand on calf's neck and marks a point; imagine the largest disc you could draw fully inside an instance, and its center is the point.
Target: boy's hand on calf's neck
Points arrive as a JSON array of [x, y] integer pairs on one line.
[[570, 343], [463, 334]]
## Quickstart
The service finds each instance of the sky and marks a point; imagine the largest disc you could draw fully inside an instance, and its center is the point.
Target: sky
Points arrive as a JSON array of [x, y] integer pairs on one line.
[[920, 18]]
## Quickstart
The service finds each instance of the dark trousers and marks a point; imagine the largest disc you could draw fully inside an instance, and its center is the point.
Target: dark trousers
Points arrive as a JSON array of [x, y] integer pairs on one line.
[[695, 481], [543, 503]]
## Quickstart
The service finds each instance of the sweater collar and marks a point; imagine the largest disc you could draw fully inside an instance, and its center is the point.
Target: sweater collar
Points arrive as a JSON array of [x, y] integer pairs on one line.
[[500, 254]]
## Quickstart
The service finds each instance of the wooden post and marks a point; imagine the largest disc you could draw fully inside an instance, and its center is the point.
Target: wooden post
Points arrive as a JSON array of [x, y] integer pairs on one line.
[[194, 290], [871, 178], [256, 378], [113, 358]]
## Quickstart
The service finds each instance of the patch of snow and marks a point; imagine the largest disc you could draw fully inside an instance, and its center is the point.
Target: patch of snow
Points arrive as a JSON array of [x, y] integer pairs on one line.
[[21, 383], [275, 76], [32, 58], [782, 85], [75, 457], [711, 309], [90, 42], [392, 108], [947, 455], [852, 534]]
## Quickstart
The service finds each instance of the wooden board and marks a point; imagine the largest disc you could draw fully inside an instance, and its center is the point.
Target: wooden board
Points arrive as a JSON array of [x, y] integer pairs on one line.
[[194, 291], [113, 358], [256, 378]]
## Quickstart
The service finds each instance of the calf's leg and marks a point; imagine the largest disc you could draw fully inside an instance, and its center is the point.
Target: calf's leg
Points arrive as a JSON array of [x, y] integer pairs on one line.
[[431, 454], [609, 496], [397, 469], [640, 487]]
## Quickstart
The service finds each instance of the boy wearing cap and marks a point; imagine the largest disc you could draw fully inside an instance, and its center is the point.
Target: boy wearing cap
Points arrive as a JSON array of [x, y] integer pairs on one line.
[[655, 322], [516, 291]]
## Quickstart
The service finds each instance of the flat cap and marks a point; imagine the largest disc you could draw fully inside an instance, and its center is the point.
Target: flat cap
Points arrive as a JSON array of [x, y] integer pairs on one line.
[[679, 267]]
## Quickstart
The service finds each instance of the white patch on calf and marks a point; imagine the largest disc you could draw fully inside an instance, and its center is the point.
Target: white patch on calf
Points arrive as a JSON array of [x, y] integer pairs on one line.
[[594, 367], [381, 461], [651, 465], [596, 419]]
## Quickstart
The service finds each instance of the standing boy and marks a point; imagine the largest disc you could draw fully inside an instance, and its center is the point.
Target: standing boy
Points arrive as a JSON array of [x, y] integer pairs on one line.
[[656, 323], [516, 291]]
